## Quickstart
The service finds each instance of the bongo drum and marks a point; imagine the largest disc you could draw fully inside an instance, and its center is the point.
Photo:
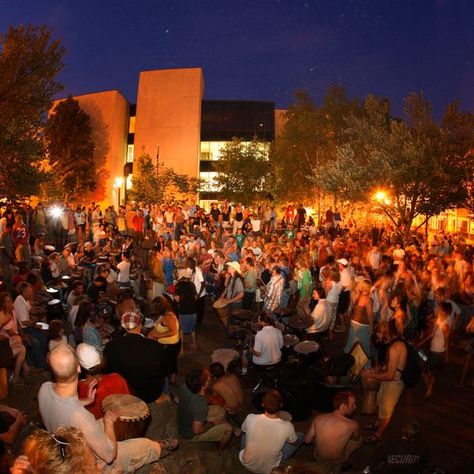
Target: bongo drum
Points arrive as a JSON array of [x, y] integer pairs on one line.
[[221, 308], [289, 341], [370, 387], [307, 352], [134, 415]]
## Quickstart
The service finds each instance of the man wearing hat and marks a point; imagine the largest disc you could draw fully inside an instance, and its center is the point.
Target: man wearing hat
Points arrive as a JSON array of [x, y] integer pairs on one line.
[[104, 384], [141, 361], [234, 290], [345, 296]]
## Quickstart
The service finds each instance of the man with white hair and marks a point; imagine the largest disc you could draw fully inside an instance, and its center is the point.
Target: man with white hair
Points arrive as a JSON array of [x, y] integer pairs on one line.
[[60, 406]]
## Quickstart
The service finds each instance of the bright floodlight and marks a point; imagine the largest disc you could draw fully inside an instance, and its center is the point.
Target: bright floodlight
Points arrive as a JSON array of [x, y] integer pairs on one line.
[[56, 211], [118, 182]]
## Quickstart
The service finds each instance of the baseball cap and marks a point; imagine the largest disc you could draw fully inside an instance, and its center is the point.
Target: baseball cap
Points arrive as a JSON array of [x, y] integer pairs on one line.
[[131, 320], [88, 355], [343, 261]]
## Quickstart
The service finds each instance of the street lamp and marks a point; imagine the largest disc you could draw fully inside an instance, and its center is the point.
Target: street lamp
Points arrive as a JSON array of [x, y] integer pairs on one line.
[[118, 185], [381, 197]]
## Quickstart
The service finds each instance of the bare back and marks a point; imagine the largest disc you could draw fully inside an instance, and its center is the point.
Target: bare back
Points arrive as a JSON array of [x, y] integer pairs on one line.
[[229, 388], [333, 432]]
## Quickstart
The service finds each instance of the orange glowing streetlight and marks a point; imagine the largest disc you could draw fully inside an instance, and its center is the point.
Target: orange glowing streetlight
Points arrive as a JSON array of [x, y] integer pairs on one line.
[[381, 197]]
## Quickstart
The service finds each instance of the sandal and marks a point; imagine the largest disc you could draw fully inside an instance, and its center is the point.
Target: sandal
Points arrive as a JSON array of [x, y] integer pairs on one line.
[[372, 439], [168, 445], [371, 426]]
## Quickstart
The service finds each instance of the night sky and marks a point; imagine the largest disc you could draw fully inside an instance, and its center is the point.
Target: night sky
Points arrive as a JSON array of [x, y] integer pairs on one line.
[[265, 49]]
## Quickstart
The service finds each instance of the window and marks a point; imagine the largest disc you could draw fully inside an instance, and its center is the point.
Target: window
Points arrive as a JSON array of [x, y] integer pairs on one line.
[[130, 150], [131, 125]]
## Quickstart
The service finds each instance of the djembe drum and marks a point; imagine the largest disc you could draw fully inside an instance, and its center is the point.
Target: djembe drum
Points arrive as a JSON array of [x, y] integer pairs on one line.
[[221, 309], [370, 387], [134, 415]]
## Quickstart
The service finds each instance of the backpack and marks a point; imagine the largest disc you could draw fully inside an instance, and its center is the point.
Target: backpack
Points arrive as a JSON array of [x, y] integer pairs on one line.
[[412, 374]]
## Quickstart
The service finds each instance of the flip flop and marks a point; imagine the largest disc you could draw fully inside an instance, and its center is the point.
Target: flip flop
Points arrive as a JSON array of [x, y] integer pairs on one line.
[[372, 439]]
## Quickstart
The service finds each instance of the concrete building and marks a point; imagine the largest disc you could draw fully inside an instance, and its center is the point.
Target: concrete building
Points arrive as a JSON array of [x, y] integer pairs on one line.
[[171, 122]]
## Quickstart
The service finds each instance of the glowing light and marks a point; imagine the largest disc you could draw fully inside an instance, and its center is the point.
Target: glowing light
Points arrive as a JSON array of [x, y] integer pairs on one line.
[[381, 197], [56, 211], [118, 182]]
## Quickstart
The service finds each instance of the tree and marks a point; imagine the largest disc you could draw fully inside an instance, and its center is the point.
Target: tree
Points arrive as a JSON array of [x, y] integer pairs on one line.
[[419, 165], [309, 141], [156, 184], [71, 149], [30, 61], [244, 173]]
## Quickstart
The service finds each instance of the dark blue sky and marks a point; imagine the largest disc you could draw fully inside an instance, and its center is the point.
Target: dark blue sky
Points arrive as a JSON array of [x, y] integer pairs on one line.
[[265, 49]]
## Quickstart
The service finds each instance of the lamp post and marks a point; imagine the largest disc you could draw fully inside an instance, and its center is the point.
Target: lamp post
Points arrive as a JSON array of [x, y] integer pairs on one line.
[[118, 185]]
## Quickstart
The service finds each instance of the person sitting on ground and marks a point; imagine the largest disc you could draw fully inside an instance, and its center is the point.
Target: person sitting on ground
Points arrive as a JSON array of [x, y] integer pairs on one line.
[[336, 436], [227, 386], [268, 440], [56, 334], [392, 385], [407, 454], [104, 384], [197, 421], [63, 452], [12, 423], [60, 406], [142, 362]]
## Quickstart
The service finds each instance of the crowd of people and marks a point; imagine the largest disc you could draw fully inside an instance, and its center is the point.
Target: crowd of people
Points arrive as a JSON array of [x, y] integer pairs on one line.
[[77, 282]]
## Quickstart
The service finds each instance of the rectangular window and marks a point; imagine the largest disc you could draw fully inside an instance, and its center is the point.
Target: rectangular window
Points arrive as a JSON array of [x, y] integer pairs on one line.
[[130, 150], [131, 125]]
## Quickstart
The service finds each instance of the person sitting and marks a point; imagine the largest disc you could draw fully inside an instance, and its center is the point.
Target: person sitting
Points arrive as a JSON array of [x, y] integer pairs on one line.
[[268, 440], [197, 421], [104, 384], [63, 452], [12, 423], [91, 334], [56, 334], [266, 350], [321, 314], [60, 406], [97, 289], [226, 386], [336, 436], [142, 362]]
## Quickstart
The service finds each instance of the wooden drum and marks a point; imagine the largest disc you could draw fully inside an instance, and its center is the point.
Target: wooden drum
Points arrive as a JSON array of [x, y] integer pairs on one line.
[[134, 415], [370, 387]]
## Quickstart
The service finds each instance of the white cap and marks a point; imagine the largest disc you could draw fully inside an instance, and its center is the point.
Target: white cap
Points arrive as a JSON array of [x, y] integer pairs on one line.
[[88, 355]]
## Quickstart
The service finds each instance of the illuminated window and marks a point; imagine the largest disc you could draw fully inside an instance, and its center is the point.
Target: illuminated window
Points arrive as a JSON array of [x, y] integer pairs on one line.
[[208, 183], [131, 125], [130, 150], [211, 151]]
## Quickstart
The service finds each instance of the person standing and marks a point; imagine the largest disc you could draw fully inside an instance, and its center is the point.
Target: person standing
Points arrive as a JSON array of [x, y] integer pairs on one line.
[[250, 283], [186, 297], [197, 278], [21, 240]]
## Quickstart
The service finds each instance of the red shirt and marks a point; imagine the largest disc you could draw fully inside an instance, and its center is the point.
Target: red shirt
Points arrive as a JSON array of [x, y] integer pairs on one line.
[[138, 222], [110, 384]]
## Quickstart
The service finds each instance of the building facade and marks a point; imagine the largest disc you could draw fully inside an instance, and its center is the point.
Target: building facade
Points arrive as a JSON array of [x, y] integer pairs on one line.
[[172, 123]]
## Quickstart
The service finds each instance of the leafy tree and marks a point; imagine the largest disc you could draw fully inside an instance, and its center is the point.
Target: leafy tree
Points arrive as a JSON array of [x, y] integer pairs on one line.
[[71, 149], [244, 174], [420, 166], [30, 61], [309, 142], [156, 183]]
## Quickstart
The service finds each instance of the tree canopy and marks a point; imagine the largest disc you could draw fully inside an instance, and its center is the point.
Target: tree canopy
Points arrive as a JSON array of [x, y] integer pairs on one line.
[[155, 183], [30, 60], [244, 173], [71, 149]]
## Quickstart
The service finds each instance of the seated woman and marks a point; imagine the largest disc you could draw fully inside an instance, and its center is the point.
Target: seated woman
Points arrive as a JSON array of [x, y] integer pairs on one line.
[[9, 330], [91, 332], [63, 452]]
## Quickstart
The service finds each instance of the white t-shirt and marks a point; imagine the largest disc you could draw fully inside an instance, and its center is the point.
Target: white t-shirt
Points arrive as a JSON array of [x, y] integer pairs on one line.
[[198, 278], [124, 272], [332, 296], [346, 279], [264, 440], [22, 310], [256, 224], [268, 342], [321, 316], [375, 259]]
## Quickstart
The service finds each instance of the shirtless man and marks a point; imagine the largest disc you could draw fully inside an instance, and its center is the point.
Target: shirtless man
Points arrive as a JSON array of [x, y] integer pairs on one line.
[[392, 385], [227, 386], [336, 436]]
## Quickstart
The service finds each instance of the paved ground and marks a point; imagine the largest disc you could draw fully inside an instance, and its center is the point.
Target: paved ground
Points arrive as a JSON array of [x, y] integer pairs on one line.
[[447, 418]]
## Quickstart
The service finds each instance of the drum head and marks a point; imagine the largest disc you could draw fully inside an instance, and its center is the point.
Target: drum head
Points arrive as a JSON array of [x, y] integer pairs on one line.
[[52, 290], [219, 304], [290, 340], [129, 407], [306, 347], [54, 302]]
